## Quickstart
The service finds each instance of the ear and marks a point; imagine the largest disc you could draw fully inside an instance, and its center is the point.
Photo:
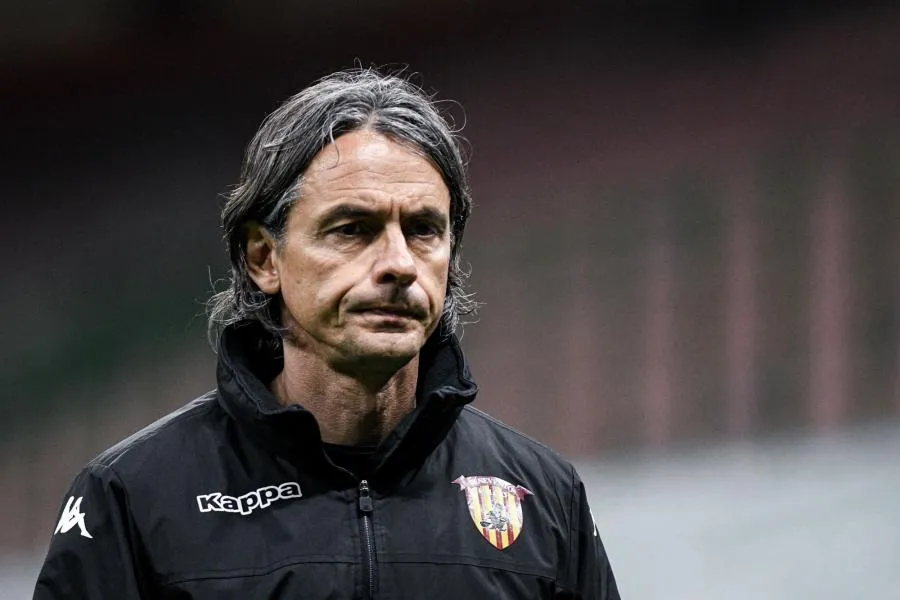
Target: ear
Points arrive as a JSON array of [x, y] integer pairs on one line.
[[262, 258]]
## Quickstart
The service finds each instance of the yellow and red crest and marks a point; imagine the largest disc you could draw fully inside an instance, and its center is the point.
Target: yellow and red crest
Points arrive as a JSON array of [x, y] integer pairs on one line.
[[496, 508]]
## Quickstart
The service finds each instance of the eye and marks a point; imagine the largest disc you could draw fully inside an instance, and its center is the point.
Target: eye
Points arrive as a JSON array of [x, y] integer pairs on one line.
[[351, 229], [424, 229]]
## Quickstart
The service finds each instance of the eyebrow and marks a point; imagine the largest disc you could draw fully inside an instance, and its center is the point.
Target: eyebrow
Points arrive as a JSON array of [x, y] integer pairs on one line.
[[350, 212], [429, 213], [343, 212]]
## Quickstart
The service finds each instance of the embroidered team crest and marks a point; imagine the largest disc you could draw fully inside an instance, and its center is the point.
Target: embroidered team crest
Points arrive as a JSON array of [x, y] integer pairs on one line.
[[496, 508]]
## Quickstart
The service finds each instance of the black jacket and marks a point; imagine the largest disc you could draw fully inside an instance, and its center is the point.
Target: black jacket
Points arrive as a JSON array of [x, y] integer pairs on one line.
[[233, 497]]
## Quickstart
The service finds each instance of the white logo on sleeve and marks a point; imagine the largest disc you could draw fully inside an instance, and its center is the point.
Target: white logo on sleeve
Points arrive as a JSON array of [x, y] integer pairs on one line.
[[72, 516], [249, 502]]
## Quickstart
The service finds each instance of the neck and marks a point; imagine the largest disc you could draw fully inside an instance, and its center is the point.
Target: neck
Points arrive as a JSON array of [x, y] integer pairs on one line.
[[351, 408]]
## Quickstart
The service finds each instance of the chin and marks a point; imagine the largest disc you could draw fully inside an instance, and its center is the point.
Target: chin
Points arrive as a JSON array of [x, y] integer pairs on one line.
[[400, 347]]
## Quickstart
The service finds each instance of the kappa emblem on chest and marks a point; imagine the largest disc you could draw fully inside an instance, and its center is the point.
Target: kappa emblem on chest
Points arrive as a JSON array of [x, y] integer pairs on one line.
[[495, 506]]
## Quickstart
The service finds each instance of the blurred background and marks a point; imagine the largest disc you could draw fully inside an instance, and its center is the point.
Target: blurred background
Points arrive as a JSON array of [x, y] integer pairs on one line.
[[686, 240]]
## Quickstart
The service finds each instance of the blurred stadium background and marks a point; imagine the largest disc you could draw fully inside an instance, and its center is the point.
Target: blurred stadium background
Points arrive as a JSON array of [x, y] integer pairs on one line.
[[687, 240]]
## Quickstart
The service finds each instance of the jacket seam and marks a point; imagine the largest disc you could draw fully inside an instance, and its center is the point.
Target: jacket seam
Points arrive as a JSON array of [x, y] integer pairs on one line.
[[108, 460], [571, 517], [250, 572], [263, 571], [503, 425], [127, 521], [472, 562]]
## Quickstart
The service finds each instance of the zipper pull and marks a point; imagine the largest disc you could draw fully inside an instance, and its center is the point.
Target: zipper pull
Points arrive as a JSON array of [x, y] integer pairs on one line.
[[365, 500]]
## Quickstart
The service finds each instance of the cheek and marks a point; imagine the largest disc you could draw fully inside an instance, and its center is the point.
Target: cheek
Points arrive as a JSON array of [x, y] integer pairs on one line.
[[295, 295], [438, 271], [335, 287], [311, 289]]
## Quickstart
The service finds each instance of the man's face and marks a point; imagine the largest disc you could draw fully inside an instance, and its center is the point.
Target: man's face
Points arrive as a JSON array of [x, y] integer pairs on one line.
[[362, 270]]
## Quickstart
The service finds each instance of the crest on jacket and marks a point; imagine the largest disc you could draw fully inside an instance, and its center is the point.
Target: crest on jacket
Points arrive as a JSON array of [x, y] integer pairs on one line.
[[495, 506]]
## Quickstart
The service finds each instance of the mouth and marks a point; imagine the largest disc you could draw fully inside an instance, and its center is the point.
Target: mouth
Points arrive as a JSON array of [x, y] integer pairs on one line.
[[391, 312]]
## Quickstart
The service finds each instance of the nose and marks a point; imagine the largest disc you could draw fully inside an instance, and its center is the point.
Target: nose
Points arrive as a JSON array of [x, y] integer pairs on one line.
[[394, 263]]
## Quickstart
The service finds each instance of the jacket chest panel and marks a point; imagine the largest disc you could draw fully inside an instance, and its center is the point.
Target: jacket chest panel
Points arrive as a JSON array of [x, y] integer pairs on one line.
[[216, 538], [314, 546], [444, 528]]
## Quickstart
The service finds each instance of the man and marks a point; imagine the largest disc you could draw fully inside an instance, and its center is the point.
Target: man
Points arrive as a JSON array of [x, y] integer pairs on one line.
[[338, 456]]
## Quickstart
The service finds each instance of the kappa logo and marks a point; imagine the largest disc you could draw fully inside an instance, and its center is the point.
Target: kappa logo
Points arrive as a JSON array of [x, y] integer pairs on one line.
[[246, 504], [495, 506], [72, 516]]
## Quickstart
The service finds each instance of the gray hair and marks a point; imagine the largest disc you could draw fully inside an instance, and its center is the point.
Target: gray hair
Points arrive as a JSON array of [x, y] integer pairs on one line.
[[281, 151]]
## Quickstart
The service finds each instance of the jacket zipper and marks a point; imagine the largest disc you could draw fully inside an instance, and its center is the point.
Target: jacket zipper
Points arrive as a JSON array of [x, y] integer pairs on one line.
[[365, 509]]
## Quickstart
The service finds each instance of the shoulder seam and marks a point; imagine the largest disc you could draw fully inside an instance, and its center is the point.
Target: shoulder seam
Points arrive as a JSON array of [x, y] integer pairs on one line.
[[516, 432], [107, 458]]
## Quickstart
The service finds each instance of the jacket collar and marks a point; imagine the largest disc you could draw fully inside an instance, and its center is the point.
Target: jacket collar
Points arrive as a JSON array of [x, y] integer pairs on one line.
[[247, 363]]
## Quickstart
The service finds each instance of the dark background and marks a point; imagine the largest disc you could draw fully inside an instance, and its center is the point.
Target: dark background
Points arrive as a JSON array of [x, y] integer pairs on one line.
[[686, 226]]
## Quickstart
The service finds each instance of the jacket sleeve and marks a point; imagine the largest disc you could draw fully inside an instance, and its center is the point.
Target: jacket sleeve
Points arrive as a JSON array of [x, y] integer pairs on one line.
[[92, 550], [590, 575]]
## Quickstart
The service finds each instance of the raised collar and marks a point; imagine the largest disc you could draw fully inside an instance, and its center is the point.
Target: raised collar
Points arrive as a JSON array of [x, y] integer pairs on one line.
[[247, 364]]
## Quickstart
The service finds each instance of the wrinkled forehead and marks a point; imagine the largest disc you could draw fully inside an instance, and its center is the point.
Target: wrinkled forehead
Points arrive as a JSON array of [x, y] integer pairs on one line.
[[374, 171]]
